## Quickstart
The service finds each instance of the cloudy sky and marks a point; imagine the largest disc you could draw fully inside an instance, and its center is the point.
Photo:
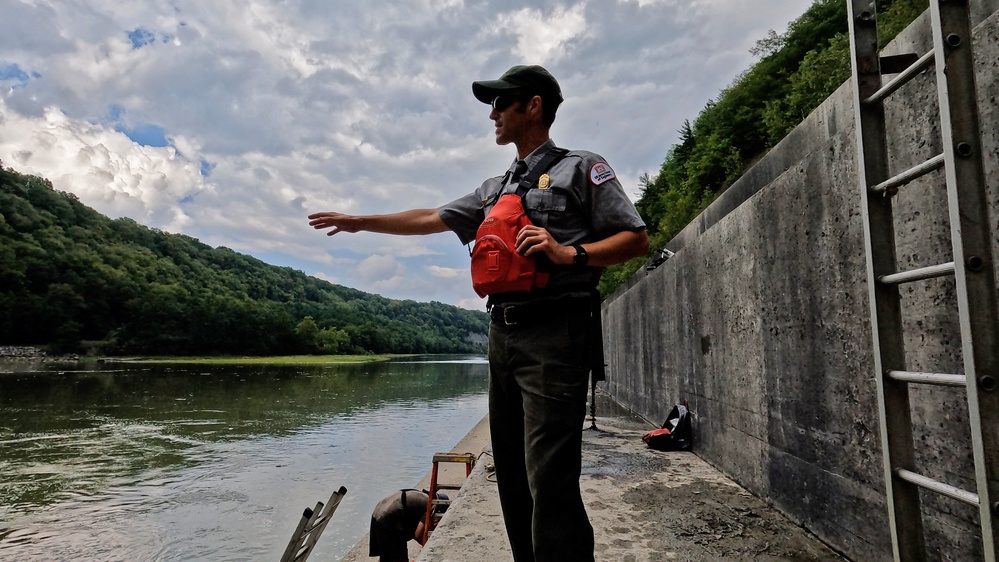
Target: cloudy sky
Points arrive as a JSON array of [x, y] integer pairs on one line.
[[231, 121]]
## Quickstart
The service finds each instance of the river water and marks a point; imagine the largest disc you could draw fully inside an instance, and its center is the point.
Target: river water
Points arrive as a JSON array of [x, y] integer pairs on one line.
[[129, 461]]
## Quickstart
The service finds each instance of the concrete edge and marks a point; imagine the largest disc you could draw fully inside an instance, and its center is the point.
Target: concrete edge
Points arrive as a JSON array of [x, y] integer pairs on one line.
[[476, 441]]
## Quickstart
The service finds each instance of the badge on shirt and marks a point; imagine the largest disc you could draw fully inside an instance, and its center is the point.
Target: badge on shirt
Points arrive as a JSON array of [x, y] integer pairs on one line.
[[601, 173], [544, 181]]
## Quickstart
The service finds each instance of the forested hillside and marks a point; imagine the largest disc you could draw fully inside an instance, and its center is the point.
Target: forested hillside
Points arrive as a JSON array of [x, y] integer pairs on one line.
[[76, 280], [797, 70]]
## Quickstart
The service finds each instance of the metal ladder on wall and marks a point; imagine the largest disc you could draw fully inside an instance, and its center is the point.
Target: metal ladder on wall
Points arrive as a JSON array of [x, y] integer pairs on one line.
[[972, 266]]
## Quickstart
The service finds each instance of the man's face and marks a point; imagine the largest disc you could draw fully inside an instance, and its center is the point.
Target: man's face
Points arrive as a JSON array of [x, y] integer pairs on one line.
[[510, 118]]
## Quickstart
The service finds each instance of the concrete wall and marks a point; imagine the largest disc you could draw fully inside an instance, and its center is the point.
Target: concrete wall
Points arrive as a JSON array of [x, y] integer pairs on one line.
[[761, 321]]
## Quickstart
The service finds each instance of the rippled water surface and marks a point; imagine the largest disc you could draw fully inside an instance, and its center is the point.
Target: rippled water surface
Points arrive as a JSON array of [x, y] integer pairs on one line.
[[179, 462]]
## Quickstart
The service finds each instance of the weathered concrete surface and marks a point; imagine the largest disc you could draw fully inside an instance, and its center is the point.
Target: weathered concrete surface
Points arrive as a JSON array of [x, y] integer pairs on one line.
[[645, 506], [761, 321]]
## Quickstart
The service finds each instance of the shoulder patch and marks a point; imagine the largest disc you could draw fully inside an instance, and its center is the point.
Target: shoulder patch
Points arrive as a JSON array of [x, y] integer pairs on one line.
[[601, 172]]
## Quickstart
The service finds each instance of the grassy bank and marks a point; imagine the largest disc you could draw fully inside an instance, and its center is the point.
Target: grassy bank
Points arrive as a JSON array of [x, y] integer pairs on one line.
[[282, 360]]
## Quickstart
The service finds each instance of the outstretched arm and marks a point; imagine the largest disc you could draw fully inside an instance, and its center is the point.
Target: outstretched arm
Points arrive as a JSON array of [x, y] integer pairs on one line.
[[416, 221]]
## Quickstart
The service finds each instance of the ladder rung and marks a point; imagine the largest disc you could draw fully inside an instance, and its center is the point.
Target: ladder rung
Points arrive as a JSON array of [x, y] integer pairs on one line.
[[918, 274], [454, 457], [928, 378], [893, 64], [891, 185], [921, 64], [958, 494]]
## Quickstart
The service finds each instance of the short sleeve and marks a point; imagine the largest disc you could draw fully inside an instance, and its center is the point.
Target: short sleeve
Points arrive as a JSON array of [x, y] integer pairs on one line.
[[612, 210], [463, 216]]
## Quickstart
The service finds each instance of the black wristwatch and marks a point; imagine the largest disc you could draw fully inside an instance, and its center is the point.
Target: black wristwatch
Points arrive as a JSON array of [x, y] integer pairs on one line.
[[581, 256]]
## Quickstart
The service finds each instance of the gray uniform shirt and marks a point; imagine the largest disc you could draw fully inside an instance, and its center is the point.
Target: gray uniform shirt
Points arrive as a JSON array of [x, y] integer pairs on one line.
[[583, 203]]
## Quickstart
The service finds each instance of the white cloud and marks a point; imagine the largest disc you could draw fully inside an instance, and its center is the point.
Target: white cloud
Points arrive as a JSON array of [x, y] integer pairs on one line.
[[447, 272], [542, 37], [359, 107], [380, 269], [102, 166], [472, 303], [325, 277]]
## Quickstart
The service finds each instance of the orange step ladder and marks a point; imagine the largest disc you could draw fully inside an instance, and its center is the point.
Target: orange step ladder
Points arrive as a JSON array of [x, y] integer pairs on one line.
[[433, 516]]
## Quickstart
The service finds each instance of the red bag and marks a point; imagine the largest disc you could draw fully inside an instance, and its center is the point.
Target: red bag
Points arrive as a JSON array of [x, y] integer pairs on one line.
[[675, 434], [658, 439], [496, 265]]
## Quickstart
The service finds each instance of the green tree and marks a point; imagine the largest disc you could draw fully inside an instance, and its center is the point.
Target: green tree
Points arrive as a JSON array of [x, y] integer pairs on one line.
[[67, 272], [796, 71], [308, 335], [333, 341]]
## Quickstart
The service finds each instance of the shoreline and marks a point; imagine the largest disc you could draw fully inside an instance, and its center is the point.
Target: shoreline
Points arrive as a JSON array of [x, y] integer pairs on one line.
[[32, 354], [28, 353], [263, 360]]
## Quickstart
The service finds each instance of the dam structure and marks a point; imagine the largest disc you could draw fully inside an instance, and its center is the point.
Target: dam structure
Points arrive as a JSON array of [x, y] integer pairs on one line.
[[761, 321]]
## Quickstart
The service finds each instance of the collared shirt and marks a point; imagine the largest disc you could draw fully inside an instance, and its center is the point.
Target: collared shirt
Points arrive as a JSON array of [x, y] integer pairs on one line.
[[583, 203]]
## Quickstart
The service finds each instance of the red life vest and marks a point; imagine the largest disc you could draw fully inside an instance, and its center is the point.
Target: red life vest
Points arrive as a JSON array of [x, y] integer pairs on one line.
[[497, 267]]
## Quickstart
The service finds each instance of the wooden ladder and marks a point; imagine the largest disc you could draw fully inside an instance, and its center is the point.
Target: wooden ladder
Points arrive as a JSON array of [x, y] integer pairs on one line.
[[433, 516]]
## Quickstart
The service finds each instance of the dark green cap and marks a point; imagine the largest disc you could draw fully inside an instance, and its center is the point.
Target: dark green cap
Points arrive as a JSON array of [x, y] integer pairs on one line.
[[523, 79]]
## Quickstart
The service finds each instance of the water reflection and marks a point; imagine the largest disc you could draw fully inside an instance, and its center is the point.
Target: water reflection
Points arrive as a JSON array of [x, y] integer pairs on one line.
[[178, 462]]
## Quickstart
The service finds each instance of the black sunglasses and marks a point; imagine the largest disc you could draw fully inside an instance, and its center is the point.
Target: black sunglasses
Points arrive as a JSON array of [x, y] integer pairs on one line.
[[500, 103]]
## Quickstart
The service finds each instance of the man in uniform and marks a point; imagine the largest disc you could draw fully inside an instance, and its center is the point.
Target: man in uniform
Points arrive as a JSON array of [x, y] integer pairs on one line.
[[540, 342]]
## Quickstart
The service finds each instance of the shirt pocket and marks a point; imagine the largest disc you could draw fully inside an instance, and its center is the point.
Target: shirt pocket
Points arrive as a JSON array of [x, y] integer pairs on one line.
[[541, 203]]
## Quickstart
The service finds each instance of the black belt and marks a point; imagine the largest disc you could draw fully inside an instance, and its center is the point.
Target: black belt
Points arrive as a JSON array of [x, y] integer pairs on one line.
[[529, 312]]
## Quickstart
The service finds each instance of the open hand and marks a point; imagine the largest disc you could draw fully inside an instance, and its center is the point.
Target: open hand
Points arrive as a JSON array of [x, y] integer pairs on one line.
[[338, 222]]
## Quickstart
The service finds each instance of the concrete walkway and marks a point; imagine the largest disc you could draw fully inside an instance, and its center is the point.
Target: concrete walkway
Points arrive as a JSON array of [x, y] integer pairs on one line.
[[645, 505]]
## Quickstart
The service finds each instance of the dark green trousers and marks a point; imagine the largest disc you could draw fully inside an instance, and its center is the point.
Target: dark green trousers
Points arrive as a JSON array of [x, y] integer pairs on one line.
[[538, 374]]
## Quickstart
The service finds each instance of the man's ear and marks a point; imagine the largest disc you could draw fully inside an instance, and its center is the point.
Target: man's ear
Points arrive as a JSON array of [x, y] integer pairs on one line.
[[535, 104]]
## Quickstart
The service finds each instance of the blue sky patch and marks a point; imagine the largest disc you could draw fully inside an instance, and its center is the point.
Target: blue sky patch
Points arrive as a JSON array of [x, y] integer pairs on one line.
[[116, 112], [14, 73], [141, 37], [206, 168], [148, 135], [145, 134]]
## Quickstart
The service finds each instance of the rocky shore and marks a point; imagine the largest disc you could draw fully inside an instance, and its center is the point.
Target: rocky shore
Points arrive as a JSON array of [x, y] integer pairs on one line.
[[29, 353], [21, 351]]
